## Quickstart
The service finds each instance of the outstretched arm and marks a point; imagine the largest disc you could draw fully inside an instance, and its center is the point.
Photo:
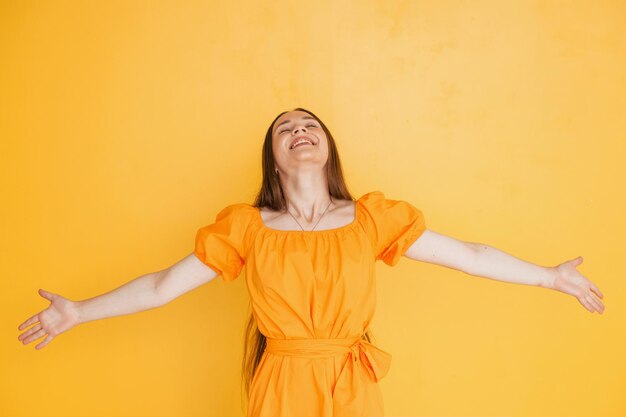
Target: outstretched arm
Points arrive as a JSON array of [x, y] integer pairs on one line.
[[482, 260], [145, 292]]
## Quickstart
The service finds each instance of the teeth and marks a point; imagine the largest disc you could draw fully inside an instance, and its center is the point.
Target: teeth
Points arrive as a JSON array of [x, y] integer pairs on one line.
[[300, 142]]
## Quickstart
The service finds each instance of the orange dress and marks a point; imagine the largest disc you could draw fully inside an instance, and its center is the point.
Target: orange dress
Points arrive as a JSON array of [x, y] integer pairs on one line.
[[313, 295]]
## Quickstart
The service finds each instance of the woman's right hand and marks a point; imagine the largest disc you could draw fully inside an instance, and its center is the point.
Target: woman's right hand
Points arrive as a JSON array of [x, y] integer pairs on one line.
[[60, 316]]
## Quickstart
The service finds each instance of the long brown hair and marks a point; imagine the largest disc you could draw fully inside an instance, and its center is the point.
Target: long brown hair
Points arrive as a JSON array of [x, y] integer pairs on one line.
[[271, 195]]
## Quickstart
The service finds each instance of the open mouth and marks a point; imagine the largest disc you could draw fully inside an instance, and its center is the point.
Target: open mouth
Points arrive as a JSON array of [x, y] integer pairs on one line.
[[301, 142]]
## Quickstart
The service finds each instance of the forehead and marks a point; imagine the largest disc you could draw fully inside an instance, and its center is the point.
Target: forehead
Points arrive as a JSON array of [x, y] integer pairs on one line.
[[292, 116]]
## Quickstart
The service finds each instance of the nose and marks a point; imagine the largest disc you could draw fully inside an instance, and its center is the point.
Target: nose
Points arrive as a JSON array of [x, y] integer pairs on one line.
[[299, 129]]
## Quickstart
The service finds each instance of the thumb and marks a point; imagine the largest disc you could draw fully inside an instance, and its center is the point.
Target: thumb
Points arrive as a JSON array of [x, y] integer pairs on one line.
[[577, 261], [45, 294]]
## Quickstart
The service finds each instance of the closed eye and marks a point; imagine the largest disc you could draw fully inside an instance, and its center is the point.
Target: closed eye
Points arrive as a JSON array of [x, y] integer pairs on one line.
[[286, 130]]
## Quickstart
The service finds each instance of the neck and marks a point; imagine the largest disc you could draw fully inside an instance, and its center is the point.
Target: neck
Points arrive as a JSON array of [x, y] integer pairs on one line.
[[306, 194]]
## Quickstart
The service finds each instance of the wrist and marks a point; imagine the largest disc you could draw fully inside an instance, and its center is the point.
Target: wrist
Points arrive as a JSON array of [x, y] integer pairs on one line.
[[78, 311], [549, 278]]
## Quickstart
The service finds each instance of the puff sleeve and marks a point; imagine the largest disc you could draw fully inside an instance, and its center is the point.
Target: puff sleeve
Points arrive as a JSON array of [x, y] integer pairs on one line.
[[220, 245], [392, 226]]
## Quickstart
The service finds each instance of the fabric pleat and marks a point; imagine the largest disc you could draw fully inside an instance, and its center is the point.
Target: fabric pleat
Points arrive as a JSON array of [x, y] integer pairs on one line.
[[313, 296]]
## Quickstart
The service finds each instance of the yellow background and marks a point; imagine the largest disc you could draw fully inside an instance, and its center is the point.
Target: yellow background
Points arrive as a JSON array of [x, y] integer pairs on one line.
[[126, 126]]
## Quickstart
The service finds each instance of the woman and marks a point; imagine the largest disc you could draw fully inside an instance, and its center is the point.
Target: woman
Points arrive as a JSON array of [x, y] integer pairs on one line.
[[310, 249]]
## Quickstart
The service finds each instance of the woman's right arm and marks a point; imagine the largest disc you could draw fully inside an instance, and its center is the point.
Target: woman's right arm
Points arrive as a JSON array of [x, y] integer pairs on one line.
[[148, 291], [145, 292]]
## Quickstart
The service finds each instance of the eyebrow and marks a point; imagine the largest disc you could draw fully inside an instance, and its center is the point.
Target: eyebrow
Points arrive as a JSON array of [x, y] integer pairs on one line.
[[288, 121]]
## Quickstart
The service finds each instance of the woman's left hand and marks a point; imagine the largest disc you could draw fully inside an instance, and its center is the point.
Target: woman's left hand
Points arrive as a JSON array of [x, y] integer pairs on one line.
[[570, 281]]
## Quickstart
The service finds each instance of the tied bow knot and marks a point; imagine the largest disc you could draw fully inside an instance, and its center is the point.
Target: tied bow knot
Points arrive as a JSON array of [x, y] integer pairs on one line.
[[375, 361], [365, 366]]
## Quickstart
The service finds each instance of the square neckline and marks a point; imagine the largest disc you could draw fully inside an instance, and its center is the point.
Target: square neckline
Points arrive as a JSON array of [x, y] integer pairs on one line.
[[333, 230]]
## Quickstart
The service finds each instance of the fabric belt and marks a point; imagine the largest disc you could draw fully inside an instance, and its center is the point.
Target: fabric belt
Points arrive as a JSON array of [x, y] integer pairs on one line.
[[364, 360]]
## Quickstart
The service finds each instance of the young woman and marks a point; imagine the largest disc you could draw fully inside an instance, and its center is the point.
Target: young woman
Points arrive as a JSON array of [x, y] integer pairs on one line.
[[310, 250]]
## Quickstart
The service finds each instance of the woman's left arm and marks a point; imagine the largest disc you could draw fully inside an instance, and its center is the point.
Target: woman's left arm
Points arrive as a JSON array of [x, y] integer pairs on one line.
[[482, 260]]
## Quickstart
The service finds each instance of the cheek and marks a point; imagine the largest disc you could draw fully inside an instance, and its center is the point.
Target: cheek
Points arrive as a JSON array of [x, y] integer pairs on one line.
[[325, 144], [275, 145], [279, 154]]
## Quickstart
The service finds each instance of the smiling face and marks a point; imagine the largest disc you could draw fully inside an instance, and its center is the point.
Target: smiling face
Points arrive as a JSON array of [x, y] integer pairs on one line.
[[298, 141]]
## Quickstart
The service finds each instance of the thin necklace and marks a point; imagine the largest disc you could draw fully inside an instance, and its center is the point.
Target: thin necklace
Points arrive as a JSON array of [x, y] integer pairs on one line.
[[318, 220]]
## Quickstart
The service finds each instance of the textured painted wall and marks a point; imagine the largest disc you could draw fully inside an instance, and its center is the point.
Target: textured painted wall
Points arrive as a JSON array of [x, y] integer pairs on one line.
[[125, 126]]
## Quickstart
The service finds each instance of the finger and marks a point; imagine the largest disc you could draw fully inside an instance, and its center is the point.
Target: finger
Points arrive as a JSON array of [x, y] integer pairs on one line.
[[29, 331], [47, 340], [585, 303], [591, 302], [596, 303], [596, 290], [28, 322], [39, 333], [45, 294]]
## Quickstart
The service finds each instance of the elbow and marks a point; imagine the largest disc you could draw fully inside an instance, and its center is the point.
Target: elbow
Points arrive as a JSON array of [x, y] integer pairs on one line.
[[474, 250], [160, 299]]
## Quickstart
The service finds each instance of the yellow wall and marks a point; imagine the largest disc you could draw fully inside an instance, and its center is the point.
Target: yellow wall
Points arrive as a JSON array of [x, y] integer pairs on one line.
[[125, 126]]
